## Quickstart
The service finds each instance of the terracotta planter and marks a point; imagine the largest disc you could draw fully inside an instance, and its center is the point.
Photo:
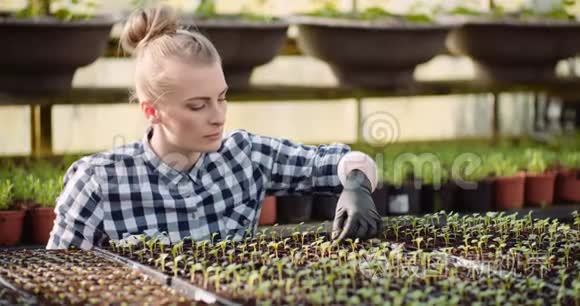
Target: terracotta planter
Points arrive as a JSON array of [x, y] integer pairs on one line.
[[11, 227], [568, 186], [27, 224], [509, 192], [42, 55], [268, 213], [540, 188], [242, 44], [367, 54], [43, 221], [479, 199], [294, 208], [516, 51]]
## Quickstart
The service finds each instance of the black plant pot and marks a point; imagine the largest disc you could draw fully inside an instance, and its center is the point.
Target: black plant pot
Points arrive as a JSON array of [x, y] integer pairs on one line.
[[404, 199], [478, 199], [376, 55], [42, 55], [293, 208], [324, 207], [428, 198], [442, 198], [242, 44], [515, 51], [447, 196], [380, 197]]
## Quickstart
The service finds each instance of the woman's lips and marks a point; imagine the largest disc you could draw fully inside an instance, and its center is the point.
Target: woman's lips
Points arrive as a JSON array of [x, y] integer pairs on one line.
[[214, 136]]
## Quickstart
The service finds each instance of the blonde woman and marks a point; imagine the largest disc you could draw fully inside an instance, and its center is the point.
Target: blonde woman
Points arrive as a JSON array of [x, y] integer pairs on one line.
[[185, 178]]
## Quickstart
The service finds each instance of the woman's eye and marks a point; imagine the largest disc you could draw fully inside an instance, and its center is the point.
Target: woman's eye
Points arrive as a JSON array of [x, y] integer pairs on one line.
[[196, 108]]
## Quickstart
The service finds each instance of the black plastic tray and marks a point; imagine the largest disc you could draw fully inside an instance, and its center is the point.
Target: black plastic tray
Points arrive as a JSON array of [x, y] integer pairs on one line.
[[29, 298], [182, 286]]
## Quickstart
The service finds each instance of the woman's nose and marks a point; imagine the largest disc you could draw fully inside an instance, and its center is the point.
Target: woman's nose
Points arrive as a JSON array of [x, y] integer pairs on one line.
[[218, 114]]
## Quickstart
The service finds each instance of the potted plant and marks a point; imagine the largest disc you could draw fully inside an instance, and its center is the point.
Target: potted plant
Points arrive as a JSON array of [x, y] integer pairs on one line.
[[404, 196], [437, 191], [509, 184], [268, 211], [539, 189], [372, 48], [324, 206], [293, 208], [522, 46], [475, 192], [10, 217], [380, 197], [25, 185], [46, 45], [568, 178], [43, 215], [244, 40]]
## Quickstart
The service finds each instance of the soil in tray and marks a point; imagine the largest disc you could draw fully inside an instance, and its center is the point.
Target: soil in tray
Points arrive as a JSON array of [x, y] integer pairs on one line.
[[76, 277], [9, 297], [308, 268]]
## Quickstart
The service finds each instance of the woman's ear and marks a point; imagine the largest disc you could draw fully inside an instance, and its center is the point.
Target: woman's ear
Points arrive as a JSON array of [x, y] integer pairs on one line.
[[151, 113]]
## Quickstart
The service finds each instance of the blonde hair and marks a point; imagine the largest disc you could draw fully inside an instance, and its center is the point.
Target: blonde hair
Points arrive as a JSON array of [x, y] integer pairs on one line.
[[152, 35]]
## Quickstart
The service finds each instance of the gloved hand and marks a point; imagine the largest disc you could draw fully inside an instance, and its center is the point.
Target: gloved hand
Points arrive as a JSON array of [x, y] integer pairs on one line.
[[356, 215]]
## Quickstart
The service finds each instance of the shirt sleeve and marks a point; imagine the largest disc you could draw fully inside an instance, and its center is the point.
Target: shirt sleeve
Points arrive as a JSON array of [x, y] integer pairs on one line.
[[78, 212], [292, 168]]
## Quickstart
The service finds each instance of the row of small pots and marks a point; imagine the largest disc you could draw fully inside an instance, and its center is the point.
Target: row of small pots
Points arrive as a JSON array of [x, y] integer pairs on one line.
[[361, 53], [30, 224], [493, 194]]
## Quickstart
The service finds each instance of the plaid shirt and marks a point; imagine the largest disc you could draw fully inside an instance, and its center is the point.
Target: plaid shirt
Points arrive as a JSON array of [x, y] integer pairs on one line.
[[130, 191]]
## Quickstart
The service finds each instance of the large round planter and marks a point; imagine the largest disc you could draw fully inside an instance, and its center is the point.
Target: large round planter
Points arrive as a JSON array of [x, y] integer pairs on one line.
[[242, 44], [43, 221], [294, 208], [42, 55], [540, 188], [509, 192], [370, 54], [515, 51], [11, 227], [475, 200]]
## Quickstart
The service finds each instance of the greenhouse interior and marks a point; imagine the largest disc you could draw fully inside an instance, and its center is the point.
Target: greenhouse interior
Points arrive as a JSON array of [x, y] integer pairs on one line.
[[379, 153]]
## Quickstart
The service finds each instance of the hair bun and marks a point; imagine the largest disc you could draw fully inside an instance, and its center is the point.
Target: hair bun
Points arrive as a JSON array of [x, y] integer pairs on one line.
[[144, 25]]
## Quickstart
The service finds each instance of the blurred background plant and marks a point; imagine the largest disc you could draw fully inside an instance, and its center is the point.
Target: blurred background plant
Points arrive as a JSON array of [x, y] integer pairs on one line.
[[65, 10]]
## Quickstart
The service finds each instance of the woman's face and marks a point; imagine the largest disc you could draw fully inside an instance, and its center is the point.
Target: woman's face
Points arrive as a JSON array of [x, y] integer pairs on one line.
[[192, 114]]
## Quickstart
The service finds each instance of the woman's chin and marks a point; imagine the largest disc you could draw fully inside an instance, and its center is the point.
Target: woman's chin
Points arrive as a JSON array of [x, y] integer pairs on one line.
[[212, 145]]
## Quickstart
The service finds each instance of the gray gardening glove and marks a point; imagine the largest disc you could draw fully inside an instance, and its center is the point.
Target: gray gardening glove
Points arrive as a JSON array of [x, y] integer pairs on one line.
[[356, 215]]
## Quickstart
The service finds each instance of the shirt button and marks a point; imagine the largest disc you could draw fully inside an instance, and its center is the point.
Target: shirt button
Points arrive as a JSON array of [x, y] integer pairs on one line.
[[246, 222]]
